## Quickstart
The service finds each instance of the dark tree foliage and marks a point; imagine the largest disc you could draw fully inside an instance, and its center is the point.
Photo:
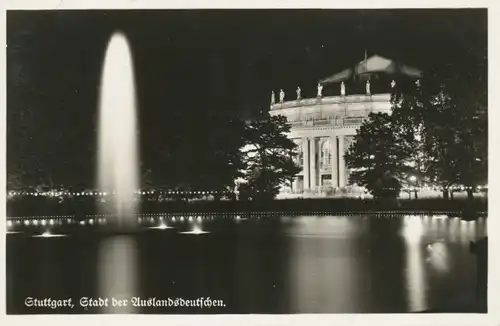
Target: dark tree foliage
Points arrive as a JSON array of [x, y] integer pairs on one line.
[[436, 134], [269, 156], [375, 157], [457, 126]]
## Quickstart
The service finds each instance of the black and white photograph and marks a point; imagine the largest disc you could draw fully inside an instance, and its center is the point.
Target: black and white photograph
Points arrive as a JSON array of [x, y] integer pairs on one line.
[[247, 161]]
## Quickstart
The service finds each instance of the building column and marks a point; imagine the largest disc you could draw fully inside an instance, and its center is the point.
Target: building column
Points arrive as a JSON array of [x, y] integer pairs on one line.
[[295, 184], [334, 160], [305, 165], [342, 176], [313, 176]]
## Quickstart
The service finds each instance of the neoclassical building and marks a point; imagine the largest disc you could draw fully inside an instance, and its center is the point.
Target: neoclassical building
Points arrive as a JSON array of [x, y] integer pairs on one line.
[[323, 127]]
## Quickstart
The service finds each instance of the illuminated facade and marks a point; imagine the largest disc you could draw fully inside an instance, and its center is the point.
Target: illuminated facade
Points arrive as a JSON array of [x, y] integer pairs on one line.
[[324, 127]]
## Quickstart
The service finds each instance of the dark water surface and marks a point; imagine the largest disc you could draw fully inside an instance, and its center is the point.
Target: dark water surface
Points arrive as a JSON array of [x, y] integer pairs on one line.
[[304, 264]]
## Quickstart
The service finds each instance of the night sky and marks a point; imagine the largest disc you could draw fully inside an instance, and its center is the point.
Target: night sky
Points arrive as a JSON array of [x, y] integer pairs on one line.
[[207, 62]]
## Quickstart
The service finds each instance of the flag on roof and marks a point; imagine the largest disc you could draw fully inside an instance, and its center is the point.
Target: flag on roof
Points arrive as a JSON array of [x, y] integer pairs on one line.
[[373, 65]]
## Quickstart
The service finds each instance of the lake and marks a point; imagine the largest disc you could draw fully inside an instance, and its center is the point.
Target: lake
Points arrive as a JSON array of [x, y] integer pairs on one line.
[[260, 264]]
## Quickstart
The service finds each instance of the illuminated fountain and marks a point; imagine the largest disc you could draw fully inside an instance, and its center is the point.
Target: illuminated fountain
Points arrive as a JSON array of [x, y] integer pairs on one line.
[[118, 171], [196, 229], [48, 234]]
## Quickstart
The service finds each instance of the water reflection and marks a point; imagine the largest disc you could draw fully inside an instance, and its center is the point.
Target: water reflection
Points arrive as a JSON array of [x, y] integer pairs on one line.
[[303, 264], [324, 270], [412, 232], [118, 272]]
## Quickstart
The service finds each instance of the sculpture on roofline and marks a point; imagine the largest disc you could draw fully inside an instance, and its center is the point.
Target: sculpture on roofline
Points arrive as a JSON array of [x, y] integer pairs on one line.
[[320, 90], [282, 96], [273, 98], [298, 92], [342, 89], [368, 91]]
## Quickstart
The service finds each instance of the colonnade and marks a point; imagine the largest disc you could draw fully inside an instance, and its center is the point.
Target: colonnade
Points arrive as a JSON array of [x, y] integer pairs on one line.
[[313, 167]]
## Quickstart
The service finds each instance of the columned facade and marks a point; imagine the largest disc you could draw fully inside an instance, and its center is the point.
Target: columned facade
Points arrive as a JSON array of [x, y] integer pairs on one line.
[[324, 126], [323, 129]]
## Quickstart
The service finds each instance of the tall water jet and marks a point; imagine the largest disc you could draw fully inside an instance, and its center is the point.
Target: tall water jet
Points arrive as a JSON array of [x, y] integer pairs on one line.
[[118, 172], [117, 140]]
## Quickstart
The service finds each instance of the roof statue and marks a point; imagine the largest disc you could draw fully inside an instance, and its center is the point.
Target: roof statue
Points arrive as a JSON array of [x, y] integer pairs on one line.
[[393, 83], [282, 96], [368, 92], [298, 92], [373, 65], [320, 90], [273, 98], [342, 89]]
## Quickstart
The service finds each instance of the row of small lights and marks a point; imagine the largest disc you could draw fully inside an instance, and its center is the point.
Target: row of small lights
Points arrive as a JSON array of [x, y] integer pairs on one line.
[[43, 222], [58, 194], [52, 194], [162, 216], [436, 188], [52, 222], [152, 217]]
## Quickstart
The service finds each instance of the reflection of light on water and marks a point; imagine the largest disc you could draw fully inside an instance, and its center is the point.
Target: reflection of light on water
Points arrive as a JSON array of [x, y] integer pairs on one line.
[[238, 218], [329, 227], [454, 229], [438, 256], [286, 219], [47, 234], [434, 225], [412, 232], [117, 271], [466, 231], [162, 226], [324, 274], [196, 230], [413, 229]]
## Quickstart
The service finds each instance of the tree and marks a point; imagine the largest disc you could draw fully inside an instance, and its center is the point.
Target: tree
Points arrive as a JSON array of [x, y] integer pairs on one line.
[[269, 157], [376, 157], [408, 127], [436, 133], [455, 119]]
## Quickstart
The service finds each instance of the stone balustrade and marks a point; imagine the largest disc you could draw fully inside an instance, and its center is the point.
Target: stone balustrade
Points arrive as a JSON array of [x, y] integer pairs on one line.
[[348, 99]]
